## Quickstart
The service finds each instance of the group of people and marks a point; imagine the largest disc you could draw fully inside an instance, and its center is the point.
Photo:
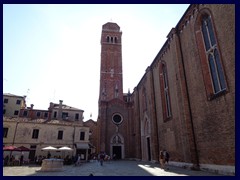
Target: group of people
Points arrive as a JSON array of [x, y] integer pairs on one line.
[[13, 160], [163, 158]]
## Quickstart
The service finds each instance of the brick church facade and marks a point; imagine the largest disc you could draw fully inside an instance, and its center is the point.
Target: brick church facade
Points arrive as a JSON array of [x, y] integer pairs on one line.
[[185, 101]]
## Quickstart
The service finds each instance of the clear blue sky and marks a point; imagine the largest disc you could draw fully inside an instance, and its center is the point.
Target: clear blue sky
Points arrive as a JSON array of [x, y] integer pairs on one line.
[[52, 52]]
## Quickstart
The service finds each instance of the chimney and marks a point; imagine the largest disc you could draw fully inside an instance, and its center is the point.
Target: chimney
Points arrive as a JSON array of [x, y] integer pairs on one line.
[[50, 110], [60, 109], [31, 112]]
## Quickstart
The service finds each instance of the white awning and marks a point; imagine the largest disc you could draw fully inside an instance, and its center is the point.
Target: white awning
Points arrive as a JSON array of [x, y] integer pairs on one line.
[[82, 145]]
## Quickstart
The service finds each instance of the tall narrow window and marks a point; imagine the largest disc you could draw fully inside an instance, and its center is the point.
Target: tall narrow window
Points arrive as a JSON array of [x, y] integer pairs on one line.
[[45, 114], [25, 113], [76, 116], [38, 114], [144, 99], [211, 50], [35, 133], [82, 135], [166, 105], [5, 132], [55, 114], [60, 134], [166, 92]]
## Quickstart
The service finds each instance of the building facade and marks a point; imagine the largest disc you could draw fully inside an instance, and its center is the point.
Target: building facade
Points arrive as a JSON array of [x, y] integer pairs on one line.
[[185, 101], [60, 125], [12, 104], [39, 133]]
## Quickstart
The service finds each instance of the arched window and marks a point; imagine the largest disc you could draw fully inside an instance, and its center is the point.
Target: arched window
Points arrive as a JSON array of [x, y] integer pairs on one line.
[[108, 38], [144, 95], [213, 73], [111, 39], [215, 66], [166, 105], [115, 39]]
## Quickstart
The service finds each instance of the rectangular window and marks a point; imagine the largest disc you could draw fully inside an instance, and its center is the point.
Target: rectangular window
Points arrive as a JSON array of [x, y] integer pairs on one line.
[[60, 134], [5, 101], [76, 116], [5, 132], [35, 133], [18, 102], [4, 111], [38, 114], [25, 113], [64, 115], [55, 114], [15, 112], [82, 135], [45, 114]]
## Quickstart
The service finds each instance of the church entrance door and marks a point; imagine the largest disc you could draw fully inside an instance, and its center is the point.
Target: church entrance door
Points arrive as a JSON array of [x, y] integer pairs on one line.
[[118, 151]]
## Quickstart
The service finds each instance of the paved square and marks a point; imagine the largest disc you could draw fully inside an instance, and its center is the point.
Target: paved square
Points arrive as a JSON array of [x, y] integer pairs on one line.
[[112, 168]]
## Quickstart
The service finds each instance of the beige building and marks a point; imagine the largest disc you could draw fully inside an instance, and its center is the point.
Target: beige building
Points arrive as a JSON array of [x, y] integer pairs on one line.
[[63, 112], [39, 133], [12, 104]]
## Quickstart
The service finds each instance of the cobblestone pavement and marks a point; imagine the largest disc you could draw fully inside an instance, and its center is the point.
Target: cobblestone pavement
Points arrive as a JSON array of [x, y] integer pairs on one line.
[[112, 168]]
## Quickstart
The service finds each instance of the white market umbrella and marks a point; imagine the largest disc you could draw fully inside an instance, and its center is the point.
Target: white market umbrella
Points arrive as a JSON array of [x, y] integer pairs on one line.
[[64, 148], [49, 148]]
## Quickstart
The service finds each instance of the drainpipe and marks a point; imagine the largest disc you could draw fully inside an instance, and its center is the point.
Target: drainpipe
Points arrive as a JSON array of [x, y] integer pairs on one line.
[[15, 132], [14, 136], [73, 139], [196, 166]]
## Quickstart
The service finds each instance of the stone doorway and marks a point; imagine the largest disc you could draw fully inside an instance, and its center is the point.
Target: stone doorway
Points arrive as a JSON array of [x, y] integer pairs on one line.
[[117, 150]]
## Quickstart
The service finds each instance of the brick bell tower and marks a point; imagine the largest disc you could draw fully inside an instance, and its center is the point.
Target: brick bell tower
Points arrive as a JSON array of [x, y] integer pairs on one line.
[[111, 85], [113, 109]]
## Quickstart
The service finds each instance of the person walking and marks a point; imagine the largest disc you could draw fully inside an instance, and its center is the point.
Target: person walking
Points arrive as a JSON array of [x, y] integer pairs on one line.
[[102, 156], [78, 162], [166, 155], [162, 160]]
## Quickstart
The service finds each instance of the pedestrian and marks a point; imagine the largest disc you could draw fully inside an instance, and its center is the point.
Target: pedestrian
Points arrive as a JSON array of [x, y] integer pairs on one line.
[[21, 160], [49, 155], [166, 155], [78, 162], [6, 160], [114, 157], [102, 156], [162, 160]]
